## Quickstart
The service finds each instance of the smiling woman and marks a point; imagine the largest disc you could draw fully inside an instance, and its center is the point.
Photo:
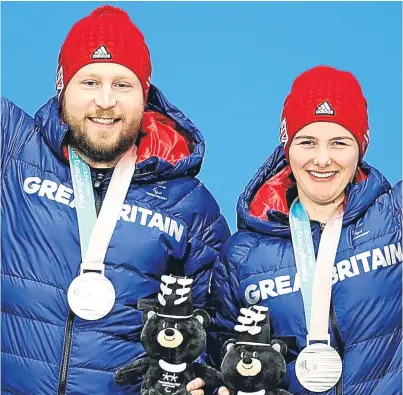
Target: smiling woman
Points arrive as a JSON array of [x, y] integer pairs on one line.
[[319, 244], [323, 160]]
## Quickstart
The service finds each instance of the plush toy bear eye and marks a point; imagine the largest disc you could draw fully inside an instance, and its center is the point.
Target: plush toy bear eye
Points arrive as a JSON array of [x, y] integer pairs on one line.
[[242, 355], [255, 354], [177, 326], [164, 325]]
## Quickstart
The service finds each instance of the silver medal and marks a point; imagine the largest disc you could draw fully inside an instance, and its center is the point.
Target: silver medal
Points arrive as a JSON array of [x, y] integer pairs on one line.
[[91, 296], [318, 367]]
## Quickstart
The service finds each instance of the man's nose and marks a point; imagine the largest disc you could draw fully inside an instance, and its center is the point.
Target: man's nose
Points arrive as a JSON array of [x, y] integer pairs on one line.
[[105, 98]]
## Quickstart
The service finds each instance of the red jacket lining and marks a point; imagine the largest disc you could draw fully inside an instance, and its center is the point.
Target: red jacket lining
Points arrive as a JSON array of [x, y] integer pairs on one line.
[[272, 195], [161, 139]]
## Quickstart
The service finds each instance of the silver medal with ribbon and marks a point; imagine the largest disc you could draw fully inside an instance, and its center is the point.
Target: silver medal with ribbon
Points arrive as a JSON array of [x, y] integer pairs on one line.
[[91, 295], [318, 366]]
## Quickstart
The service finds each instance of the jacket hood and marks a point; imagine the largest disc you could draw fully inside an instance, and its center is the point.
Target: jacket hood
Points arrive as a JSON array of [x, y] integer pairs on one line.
[[171, 146], [271, 183]]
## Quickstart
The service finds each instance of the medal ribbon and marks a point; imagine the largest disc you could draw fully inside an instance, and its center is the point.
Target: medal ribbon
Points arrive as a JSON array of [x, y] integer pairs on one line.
[[83, 198], [315, 275], [96, 233]]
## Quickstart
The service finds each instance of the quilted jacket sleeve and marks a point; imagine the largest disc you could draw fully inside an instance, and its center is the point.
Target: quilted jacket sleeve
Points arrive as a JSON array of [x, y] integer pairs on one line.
[[16, 125], [397, 197]]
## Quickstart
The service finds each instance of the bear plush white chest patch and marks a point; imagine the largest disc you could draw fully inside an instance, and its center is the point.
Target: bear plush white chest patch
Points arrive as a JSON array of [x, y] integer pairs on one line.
[[261, 392], [171, 377]]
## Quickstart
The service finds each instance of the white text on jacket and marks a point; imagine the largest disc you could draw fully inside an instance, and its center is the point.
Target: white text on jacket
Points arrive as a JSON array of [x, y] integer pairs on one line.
[[358, 264], [136, 214]]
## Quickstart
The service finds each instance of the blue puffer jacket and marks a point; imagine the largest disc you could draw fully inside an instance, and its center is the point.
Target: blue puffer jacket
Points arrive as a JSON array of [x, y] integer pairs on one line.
[[169, 223], [257, 265]]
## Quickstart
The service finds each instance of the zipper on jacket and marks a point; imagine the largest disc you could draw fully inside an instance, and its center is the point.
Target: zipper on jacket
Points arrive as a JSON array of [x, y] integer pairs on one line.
[[339, 342], [68, 333], [98, 191]]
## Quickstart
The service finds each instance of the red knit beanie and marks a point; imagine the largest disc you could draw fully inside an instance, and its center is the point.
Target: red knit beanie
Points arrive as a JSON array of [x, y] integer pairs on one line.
[[107, 35], [325, 94]]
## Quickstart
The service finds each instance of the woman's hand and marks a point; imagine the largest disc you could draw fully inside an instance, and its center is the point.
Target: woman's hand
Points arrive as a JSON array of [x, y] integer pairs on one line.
[[195, 386], [223, 391]]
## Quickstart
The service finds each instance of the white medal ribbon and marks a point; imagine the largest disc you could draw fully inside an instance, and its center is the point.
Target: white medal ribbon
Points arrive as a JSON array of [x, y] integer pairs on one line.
[[91, 295], [111, 208], [318, 367], [322, 286]]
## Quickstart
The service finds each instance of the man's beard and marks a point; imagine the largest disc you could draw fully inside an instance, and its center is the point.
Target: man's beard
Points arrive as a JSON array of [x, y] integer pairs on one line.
[[99, 151]]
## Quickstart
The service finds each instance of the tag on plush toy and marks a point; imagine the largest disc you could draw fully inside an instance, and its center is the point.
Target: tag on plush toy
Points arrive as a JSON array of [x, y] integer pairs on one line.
[[253, 362], [174, 336]]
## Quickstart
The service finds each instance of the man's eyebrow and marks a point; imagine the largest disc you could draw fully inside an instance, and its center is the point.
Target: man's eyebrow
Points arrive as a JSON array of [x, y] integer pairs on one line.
[[89, 75], [118, 77], [123, 77]]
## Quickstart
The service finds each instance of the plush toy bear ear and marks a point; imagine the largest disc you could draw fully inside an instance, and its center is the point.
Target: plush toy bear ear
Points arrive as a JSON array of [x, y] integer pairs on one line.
[[279, 346], [226, 347], [202, 316], [148, 313]]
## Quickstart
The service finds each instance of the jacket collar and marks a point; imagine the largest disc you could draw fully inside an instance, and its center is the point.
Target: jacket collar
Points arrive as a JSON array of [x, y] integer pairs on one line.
[[160, 157], [360, 197]]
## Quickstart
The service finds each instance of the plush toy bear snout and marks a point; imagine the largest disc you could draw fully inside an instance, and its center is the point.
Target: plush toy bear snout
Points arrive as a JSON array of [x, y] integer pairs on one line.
[[169, 332], [248, 366], [247, 361], [170, 338]]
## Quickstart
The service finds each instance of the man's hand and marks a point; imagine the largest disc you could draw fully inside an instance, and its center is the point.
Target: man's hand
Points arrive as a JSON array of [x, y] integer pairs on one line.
[[223, 391], [194, 387]]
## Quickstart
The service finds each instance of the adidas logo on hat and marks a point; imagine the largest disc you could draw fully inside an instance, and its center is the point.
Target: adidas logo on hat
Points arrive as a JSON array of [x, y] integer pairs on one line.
[[283, 132], [324, 109], [101, 53]]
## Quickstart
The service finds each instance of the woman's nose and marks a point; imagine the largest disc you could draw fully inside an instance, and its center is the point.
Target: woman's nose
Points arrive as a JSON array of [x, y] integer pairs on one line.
[[322, 158]]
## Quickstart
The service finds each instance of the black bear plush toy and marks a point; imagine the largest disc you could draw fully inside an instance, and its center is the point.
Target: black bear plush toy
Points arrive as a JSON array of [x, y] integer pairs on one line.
[[253, 363], [173, 336]]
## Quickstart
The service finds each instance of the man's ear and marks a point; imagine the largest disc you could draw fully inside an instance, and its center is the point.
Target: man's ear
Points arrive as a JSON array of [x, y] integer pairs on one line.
[[148, 313], [226, 347], [279, 346], [202, 316]]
